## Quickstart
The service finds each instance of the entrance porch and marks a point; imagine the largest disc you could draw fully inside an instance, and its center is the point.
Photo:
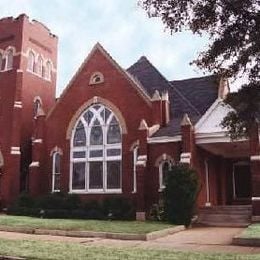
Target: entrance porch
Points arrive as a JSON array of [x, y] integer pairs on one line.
[[226, 177]]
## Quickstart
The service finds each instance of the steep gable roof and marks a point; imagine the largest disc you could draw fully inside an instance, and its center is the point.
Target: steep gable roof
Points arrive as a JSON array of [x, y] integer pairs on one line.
[[151, 80], [192, 96], [149, 76], [201, 92], [130, 78], [210, 122]]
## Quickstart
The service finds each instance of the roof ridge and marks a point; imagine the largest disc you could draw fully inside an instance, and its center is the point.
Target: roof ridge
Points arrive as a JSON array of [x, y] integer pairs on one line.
[[184, 98], [194, 78], [146, 59]]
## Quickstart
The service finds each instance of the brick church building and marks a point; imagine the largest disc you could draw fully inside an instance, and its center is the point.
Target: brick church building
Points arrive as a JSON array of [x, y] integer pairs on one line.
[[113, 131]]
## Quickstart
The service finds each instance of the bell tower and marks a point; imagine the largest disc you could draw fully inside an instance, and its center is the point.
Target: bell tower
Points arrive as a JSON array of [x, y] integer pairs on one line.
[[28, 62]]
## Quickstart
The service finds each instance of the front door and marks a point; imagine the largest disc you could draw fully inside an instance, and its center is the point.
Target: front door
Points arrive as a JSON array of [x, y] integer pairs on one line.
[[241, 182]]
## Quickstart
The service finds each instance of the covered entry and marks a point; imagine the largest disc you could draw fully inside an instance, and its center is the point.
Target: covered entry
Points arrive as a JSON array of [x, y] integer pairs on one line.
[[227, 169], [241, 180]]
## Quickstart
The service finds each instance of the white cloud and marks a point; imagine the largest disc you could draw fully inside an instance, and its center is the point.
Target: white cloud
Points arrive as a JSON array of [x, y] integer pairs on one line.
[[122, 27]]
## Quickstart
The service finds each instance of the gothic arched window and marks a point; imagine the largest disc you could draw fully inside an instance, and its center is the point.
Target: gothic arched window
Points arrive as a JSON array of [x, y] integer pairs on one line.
[[56, 171], [9, 59], [40, 66], [48, 70], [164, 168], [31, 62], [96, 151], [37, 104]]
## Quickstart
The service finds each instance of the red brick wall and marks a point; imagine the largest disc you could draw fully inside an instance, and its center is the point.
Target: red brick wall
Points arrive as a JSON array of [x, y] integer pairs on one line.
[[152, 178], [116, 89], [17, 130]]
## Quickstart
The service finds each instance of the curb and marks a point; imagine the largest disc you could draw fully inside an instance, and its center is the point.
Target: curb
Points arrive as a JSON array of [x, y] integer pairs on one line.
[[244, 241], [120, 236], [3, 257]]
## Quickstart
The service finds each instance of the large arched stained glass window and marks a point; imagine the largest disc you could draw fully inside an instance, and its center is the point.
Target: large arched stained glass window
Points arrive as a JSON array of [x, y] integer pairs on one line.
[[96, 151]]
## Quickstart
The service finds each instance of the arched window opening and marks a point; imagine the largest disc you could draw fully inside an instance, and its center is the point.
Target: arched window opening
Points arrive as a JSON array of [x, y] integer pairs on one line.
[[56, 171], [96, 152], [1, 61], [48, 70], [96, 78], [36, 106], [9, 59], [31, 62], [164, 168], [40, 66]]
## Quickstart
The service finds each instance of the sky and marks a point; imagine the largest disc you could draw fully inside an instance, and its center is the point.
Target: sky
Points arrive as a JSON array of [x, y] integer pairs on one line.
[[121, 26]]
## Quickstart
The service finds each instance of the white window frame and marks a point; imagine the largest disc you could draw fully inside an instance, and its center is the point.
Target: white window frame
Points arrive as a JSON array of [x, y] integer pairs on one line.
[[104, 147], [135, 155], [31, 61], [9, 55], [54, 173], [48, 69], [161, 185], [37, 101], [1, 61], [40, 66]]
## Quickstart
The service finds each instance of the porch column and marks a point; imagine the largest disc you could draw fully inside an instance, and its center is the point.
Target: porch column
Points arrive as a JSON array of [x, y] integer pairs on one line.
[[255, 171], [206, 164]]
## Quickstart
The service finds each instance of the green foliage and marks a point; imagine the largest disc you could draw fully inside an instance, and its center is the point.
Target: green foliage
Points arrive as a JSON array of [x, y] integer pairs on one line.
[[25, 200], [59, 205], [118, 208], [233, 27], [94, 210], [157, 212], [49, 250], [246, 103], [234, 49], [180, 194]]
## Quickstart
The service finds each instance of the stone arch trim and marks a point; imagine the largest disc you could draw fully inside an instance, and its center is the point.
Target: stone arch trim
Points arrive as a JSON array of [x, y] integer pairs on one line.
[[134, 145], [56, 149], [37, 98], [163, 157], [90, 102], [12, 48], [1, 159]]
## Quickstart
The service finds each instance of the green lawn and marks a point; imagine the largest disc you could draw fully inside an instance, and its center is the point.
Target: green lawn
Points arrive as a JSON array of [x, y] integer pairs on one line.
[[253, 231], [57, 250], [133, 227]]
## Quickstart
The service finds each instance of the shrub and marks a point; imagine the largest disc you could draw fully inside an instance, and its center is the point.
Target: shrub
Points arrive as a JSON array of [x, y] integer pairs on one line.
[[50, 201], [157, 212], [71, 201], [180, 194], [25, 200], [93, 210], [23, 211], [118, 208], [59, 205]]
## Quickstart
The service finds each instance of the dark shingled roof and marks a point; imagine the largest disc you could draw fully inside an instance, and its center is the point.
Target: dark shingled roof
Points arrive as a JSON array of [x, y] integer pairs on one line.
[[148, 76], [201, 92], [192, 96]]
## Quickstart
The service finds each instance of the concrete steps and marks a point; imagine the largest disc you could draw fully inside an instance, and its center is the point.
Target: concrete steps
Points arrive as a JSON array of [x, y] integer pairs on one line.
[[225, 216]]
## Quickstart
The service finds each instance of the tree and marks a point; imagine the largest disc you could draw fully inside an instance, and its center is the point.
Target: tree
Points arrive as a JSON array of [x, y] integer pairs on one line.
[[233, 27], [180, 194]]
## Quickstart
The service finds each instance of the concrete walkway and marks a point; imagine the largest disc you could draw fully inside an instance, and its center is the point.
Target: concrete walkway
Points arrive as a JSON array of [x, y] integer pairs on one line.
[[206, 239]]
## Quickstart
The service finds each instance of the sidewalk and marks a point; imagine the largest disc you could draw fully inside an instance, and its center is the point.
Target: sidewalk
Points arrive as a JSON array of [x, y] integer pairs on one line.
[[206, 239]]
